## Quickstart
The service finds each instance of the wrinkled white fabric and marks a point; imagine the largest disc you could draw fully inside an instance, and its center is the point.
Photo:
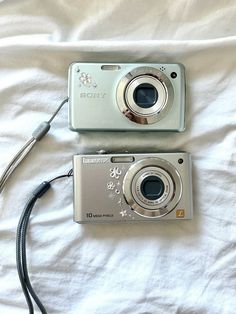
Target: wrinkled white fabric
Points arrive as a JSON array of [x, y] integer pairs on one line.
[[167, 267]]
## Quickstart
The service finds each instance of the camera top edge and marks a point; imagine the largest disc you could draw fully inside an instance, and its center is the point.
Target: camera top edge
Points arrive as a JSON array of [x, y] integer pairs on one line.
[[126, 63], [108, 153]]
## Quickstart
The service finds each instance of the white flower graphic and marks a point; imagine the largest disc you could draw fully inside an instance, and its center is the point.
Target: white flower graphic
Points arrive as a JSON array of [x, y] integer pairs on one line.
[[110, 185], [123, 212], [85, 78], [115, 173]]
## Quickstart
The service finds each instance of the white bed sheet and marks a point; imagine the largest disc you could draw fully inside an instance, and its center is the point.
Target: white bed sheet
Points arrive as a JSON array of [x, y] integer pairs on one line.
[[167, 267]]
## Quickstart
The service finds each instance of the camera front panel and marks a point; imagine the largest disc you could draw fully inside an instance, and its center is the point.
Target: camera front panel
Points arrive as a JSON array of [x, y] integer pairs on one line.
[[127, 96], [132, 187]]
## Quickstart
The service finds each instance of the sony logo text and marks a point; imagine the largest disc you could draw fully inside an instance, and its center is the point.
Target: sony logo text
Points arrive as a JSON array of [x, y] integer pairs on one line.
[[93, 95]]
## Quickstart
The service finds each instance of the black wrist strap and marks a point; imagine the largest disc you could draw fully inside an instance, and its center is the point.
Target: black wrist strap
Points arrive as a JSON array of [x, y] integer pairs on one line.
[[21, 258]]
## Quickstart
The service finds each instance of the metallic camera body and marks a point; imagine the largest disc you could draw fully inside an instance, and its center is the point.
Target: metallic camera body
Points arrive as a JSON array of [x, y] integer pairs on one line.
[[101, 97], [107, 187]]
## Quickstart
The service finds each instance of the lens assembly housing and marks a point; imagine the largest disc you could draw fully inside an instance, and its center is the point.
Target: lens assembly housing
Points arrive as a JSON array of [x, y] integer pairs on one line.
[[145, 95], [152, 187]]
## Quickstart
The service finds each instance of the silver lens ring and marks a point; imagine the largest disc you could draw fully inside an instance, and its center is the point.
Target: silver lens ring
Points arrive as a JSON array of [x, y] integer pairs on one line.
[[171, 180], [157, 106], [168, 187], [125, 92]]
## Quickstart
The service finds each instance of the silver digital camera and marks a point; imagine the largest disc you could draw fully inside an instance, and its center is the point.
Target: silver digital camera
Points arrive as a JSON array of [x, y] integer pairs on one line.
[[126, 97], [132, 187]]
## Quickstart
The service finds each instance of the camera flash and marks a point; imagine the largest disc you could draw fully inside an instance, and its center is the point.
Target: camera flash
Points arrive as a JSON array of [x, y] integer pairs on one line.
[[121, 159]]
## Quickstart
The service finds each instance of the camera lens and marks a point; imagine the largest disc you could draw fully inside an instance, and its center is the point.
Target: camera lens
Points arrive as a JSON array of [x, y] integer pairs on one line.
[[145, 95], [152, 188]]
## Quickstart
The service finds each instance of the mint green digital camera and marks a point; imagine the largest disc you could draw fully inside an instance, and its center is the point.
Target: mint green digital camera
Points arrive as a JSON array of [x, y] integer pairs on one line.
[[126, 97]]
